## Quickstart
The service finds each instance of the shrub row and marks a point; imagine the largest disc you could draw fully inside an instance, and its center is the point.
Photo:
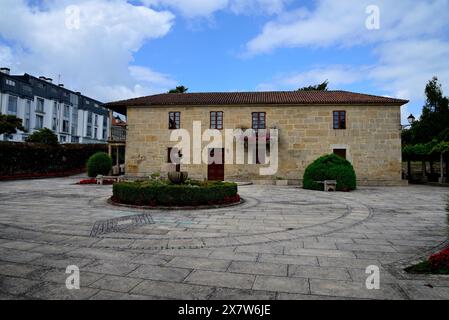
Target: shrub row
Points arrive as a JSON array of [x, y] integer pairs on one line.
[[164, 194], [30, 158]]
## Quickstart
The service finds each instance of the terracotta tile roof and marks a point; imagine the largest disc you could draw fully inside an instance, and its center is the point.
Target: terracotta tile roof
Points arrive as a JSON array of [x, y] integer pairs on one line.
[[118, 122], [274, 97]]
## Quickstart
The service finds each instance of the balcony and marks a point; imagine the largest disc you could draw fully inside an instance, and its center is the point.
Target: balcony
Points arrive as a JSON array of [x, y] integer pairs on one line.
[[118, 134]]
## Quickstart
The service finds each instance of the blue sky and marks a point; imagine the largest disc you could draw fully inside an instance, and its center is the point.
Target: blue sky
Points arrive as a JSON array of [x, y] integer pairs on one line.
[[119, 49]]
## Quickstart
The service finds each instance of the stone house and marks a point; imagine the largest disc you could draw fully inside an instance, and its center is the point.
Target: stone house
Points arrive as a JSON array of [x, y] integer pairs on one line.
[[365, 129]]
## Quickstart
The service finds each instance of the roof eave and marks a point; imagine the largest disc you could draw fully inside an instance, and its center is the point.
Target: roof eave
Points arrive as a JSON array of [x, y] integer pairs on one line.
[[120, 108]]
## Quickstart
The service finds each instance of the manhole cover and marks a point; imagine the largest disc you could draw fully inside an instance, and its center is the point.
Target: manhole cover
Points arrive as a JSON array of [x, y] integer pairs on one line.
[[120, 224]]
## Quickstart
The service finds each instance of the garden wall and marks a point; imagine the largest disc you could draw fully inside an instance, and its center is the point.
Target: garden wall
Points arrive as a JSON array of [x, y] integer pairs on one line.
[[28, 160]]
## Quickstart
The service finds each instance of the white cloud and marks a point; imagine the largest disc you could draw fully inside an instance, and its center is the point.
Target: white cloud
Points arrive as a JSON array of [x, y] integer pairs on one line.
[[95, 58], [337, 75], [405, 66], [257, 6], [121, 92], [343, 23], [6, 56], [206, 8], [149, 76], [402, 71], [190, 8]]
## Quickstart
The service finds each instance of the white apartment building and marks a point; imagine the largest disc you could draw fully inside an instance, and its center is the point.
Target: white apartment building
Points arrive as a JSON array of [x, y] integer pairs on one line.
[[40, 103]]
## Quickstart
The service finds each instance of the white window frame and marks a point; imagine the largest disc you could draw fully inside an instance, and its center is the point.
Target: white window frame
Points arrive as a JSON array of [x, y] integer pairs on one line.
[[27, 113], [42, 123], [17, 102], [37, 105]]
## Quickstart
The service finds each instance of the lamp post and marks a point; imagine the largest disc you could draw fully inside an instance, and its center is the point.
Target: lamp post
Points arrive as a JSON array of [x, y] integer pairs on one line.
[[411, 119]]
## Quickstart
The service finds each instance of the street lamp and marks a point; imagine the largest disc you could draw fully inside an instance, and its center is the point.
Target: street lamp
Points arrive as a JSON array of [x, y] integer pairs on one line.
[[411, 119]]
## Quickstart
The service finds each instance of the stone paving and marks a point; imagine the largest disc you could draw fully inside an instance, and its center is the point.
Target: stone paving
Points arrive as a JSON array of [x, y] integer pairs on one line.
[[282, 243]]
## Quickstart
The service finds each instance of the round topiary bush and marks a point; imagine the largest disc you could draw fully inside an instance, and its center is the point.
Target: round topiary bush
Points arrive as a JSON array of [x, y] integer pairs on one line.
[[330, 167], [163, 193], [99, 164]]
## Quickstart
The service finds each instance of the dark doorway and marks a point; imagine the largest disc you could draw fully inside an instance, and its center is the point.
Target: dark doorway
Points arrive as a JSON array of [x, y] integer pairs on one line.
[[340, 152], [215, 171]]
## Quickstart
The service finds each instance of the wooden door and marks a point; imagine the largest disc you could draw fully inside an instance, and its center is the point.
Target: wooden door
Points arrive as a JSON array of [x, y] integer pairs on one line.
[[215, 171]]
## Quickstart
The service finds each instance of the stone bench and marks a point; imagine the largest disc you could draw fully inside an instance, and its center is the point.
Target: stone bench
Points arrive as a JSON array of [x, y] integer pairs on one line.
[[100, 179], [329, 185]]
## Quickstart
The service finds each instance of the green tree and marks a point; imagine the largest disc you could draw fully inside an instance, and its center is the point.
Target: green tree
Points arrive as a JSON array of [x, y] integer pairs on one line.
[[179, 89], [318, 87], [10, 124], [434, 121], [44, 136]]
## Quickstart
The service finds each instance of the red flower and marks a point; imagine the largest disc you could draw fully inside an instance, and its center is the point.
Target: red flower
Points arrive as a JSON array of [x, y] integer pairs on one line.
[[439, 260], [88, 181]]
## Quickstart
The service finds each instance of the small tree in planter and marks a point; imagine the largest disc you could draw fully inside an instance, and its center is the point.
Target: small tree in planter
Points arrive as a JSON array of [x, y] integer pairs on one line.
[[99, 164]]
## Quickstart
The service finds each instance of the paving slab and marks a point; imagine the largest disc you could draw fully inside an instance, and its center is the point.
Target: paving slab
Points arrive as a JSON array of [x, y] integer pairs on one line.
[[273, 269], [318, 272], [221, 279], [172, 290], [355, 290], [52, 291], [282, 284], [115, 283], [160, 273], [210, 264]]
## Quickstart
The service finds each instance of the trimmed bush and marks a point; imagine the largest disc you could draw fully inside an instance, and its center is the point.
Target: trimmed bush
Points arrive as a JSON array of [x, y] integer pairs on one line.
[[161, 193], [330, 167], [18, 158], [99, 164]]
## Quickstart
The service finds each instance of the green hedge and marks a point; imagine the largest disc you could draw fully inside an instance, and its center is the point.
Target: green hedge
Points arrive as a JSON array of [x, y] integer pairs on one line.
[[165, 194], [330, 167], [18, 158]]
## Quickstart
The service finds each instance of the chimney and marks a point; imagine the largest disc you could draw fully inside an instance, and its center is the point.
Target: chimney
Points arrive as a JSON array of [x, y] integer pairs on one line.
[[43, 78], [50, 80], [61, 85], [5, 70]]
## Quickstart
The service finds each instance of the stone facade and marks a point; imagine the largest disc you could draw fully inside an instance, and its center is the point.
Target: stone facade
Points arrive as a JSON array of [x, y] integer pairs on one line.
[[372, 139]]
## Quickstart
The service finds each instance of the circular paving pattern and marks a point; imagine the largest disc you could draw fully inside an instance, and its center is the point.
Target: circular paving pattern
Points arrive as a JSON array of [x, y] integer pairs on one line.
[[60, 212]]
